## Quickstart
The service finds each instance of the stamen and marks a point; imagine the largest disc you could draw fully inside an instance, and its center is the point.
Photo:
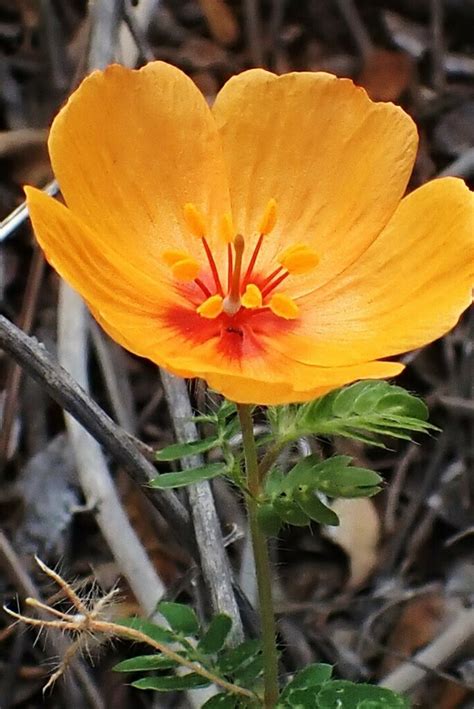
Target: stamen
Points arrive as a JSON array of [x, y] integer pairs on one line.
[[203, 287], [285, 307], [252, 261], [298, 259], [195, 220], [271, 277], [211, 308], [185, 270], [232, 300], [252, 298], [272, 285], [267, 223], [171, 256], [226, 228], [269, 218], [213, 266]]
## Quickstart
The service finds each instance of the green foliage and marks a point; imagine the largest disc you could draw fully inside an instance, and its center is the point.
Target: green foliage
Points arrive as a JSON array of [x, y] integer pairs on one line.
[[156, 632], [241, 665], [230, 701], [144, 663], [188, 477], [182, 450], [313, 688], [333, 477], [295, 498], [215, 636], [172, 683], [226, 425], [182, 618], [366, 411]]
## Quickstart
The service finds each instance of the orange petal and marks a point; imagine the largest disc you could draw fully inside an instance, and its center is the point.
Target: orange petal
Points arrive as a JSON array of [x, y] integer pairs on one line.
[[130, 149], [124, 301], [134, 344], [130, 309], [253, 391], [268, 365], [269, 378], [409, 288], [336, 163], [87, 262]]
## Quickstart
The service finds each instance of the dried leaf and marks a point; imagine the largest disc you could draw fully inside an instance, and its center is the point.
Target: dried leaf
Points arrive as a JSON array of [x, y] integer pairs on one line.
[[386, 75], [202, 54], [47, 485], [358, 534], [221, 20], [417, 625]]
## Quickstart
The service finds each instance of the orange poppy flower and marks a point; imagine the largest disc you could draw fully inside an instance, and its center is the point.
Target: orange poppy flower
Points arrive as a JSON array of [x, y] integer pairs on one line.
[[263, 244]]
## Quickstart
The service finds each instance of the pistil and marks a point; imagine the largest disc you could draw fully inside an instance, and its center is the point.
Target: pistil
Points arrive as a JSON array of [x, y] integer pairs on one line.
[[232, 301], [230, 265]]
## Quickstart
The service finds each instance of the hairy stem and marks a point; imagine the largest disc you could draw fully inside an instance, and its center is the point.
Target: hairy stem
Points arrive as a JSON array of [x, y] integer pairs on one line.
[[268, 460], [262, 561]]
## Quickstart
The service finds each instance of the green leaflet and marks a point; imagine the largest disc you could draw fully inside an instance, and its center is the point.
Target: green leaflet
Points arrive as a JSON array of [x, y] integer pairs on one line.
[[183, 450], [188, 477], [365, 411]]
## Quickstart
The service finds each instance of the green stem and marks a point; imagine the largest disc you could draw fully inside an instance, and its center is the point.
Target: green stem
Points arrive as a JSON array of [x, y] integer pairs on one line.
[[262, 562], [270, 457]]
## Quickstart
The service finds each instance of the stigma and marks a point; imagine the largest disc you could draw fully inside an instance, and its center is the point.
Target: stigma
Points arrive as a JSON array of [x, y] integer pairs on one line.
[[246, 288]]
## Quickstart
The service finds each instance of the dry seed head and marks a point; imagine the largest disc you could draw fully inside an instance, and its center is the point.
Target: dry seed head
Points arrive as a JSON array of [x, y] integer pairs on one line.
[[86, 613]]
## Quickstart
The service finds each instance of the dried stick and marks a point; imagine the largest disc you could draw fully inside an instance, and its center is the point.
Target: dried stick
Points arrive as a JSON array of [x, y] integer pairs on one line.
[[409, 517], [94, 476], [109, 356], [13, 380], [463, 166], [214, 560], [437, 45], [441, 650], [356, 27], [40, 365], [92, 622], [20, 214], [254, 31]]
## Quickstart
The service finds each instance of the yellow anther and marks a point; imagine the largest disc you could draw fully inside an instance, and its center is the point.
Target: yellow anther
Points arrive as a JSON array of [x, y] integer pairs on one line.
[[211, 308], [269, 218], [298, 259], [285, 307], [195, 220], [185, 270], [252, 298], [226, 228], [173, 255]]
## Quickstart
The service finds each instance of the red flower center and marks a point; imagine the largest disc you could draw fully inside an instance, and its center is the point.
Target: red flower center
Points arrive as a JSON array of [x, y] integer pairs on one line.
[[238, 310]]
